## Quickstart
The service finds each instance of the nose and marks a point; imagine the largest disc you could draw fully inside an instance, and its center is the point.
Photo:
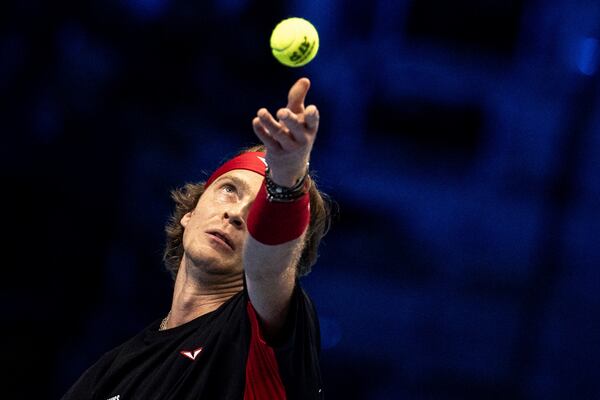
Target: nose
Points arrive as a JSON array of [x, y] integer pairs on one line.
[[236, 214], [234, 219]]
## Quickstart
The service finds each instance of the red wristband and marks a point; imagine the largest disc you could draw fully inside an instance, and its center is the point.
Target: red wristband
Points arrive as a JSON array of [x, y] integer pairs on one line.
[[272, 222]]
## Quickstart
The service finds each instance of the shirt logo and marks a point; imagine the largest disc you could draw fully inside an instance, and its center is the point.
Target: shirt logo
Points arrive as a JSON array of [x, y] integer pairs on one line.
[[191, 354]]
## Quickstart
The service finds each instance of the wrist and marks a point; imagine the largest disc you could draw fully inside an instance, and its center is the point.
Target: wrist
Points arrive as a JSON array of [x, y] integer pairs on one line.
[[277, 222], [290, 192], [286, 171], [285, 179]]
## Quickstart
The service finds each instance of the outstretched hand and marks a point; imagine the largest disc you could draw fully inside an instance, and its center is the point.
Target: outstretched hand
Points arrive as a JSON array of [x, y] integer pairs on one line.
[[289, 138]]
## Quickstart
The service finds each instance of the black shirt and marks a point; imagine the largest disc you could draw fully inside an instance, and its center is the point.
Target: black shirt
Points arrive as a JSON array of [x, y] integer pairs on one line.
[[220, 355]]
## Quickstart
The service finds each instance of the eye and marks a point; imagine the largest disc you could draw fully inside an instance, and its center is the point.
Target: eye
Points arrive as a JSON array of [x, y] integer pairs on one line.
[[229, 188]]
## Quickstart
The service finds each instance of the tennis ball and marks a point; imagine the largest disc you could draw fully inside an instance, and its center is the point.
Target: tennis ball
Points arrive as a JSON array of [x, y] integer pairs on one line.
[[294, 42]]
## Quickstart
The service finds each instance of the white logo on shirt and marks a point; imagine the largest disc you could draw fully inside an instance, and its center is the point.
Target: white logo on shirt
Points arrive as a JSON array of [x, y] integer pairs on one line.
[[191, 354], [117, 397]]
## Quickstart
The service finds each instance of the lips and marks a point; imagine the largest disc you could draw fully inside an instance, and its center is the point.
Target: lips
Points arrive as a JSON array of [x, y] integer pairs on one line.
[[224, 237]]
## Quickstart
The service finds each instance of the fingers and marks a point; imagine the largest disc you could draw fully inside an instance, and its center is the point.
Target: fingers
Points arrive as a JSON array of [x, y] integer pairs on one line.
[[296, 125], [293, 123], [275, 130], [267, 120], [297, 94], [306, 122], [311, 118], [263, 135]]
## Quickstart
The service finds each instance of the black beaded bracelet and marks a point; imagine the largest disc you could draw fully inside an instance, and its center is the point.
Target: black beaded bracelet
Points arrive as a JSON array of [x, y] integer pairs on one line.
[[285, 194]]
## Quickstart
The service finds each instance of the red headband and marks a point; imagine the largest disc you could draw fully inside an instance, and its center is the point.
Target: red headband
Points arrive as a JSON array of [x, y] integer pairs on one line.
[[251, 161]]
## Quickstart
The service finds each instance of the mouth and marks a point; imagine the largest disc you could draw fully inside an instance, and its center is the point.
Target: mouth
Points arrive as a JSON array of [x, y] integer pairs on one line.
[[223, 237]]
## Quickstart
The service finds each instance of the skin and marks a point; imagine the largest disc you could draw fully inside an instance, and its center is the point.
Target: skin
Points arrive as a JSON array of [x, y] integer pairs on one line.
[[212, 270]]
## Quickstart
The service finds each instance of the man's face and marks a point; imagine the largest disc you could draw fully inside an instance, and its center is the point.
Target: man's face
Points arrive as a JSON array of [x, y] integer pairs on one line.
[[215, 232]]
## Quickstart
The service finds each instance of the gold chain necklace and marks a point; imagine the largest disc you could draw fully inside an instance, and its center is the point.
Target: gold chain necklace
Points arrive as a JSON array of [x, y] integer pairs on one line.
[[163, 324]]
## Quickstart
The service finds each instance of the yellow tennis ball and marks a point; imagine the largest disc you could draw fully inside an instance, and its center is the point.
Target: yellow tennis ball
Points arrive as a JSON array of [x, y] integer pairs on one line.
[[294, 42]]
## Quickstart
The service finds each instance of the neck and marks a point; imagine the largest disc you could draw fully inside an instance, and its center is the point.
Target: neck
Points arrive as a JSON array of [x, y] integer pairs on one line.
[[194, 297]]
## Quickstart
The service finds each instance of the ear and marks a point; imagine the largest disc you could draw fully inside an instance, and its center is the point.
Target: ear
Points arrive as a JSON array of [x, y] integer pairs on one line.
[[186, 218]]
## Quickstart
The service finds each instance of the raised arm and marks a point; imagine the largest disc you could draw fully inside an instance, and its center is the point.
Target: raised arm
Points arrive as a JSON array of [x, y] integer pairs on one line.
[[271, 269]]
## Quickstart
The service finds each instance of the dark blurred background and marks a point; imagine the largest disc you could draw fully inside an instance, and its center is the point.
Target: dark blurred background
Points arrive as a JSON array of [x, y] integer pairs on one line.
[[460, 139]]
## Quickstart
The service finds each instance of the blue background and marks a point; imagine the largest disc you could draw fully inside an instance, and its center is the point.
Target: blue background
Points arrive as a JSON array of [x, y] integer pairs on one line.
[[460, 140]]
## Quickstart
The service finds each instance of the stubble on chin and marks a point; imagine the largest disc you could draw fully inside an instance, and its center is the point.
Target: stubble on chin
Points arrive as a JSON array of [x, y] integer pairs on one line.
[[204, 264]]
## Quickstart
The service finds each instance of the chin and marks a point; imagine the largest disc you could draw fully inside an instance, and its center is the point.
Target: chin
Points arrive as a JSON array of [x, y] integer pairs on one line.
[[215, 264], [216, 269]]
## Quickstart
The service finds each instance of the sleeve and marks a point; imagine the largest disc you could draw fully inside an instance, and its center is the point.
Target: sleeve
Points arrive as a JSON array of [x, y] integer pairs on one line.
[[293, 360], [87, 385]]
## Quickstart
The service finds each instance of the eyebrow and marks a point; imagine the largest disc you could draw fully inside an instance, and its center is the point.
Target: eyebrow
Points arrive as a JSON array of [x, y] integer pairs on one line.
[[239, 182]]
